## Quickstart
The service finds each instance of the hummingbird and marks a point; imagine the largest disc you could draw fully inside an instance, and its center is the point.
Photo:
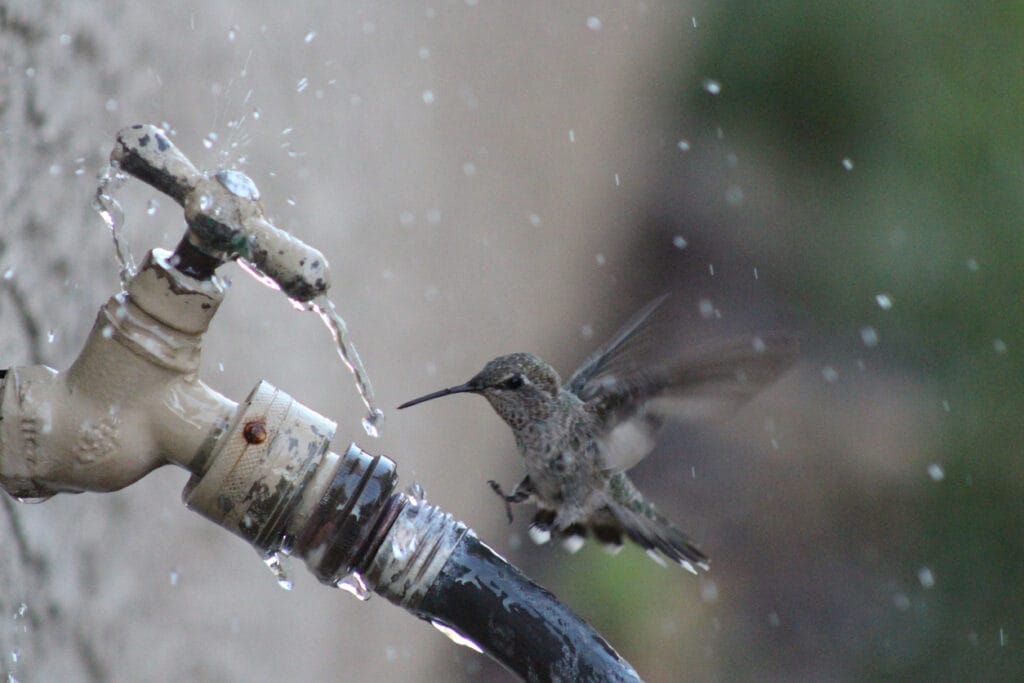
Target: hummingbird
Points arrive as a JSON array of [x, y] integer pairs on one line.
[[578, 438]]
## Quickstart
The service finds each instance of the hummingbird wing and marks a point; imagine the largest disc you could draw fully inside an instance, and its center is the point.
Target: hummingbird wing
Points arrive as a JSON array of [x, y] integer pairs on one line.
[[632, 394], [619, 347]]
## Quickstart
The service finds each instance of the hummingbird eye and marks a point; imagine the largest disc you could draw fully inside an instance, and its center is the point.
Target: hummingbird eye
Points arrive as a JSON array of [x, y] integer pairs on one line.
[[513, 382]]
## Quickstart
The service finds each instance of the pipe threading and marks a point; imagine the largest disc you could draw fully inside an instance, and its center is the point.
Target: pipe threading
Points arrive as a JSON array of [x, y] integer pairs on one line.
[[413, 552]]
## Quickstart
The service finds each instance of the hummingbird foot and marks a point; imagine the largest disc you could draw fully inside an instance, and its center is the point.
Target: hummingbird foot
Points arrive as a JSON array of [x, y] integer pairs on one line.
[[524, 490]]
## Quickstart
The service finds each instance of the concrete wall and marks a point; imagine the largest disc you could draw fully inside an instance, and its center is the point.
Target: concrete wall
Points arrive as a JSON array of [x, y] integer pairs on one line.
[[464, 166]]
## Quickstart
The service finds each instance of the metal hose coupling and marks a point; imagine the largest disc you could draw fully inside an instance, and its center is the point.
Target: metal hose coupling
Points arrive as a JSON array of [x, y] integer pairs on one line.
[[270, 479]]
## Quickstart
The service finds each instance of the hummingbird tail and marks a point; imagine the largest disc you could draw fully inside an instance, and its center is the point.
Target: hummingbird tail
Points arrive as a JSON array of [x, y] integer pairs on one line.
[[628, 512]]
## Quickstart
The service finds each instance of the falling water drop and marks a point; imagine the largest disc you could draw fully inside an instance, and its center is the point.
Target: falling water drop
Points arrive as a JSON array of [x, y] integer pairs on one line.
[[712, 86], [416, 493], [33, 500], [273, 562]]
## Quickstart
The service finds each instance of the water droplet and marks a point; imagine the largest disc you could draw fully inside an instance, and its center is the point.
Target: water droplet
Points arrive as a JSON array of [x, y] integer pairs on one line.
[[601, 260], [205, 202], [107, 332], [869, 336], [434, 216], [173, 577], [354, 585], [34, 500], [708, 591], [707, 309], [232, 33], [734, 195], [428, 97], [416, 493], [848, 164], [302, 84], [936, 472], [926, 577], [273, 562], [587, 331], [572, 136], [618, 181], [151, 206], [50, 336], [407, 218], [999, 346], [593, 23], [972, 265], [679, 242], [455, 636], [9, 273], [373, 422], [310, 36], [534, 220], [469, 168], [829, 373], [901, 601], [684, 145], [884, 301], [424, 53], [711, 86]]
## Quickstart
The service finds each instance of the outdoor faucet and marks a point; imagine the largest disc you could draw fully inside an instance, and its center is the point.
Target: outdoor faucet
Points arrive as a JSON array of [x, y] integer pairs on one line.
[[263, 469]]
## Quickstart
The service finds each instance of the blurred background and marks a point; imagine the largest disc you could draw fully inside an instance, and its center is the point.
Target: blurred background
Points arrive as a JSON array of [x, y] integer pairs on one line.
[[493, 177]]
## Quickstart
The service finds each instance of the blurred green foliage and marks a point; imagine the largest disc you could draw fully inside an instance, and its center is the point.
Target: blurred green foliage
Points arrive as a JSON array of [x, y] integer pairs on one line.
[[926, 102]]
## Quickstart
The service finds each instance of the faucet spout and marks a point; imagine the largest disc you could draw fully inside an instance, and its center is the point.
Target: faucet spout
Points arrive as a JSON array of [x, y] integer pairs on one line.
[[130, 403]]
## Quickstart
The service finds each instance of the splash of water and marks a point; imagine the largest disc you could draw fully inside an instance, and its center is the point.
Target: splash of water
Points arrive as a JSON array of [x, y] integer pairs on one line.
[[111, 178], [415, 493]]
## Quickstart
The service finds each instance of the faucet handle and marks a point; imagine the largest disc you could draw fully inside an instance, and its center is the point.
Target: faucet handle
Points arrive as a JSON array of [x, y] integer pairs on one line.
[[224, 215]]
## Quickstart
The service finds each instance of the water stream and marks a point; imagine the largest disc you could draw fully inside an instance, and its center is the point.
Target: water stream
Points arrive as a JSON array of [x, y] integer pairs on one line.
[[324, 307], [110, 180]]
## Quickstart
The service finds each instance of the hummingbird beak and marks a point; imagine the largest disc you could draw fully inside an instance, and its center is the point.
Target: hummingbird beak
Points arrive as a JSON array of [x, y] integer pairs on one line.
[[470, 387]]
